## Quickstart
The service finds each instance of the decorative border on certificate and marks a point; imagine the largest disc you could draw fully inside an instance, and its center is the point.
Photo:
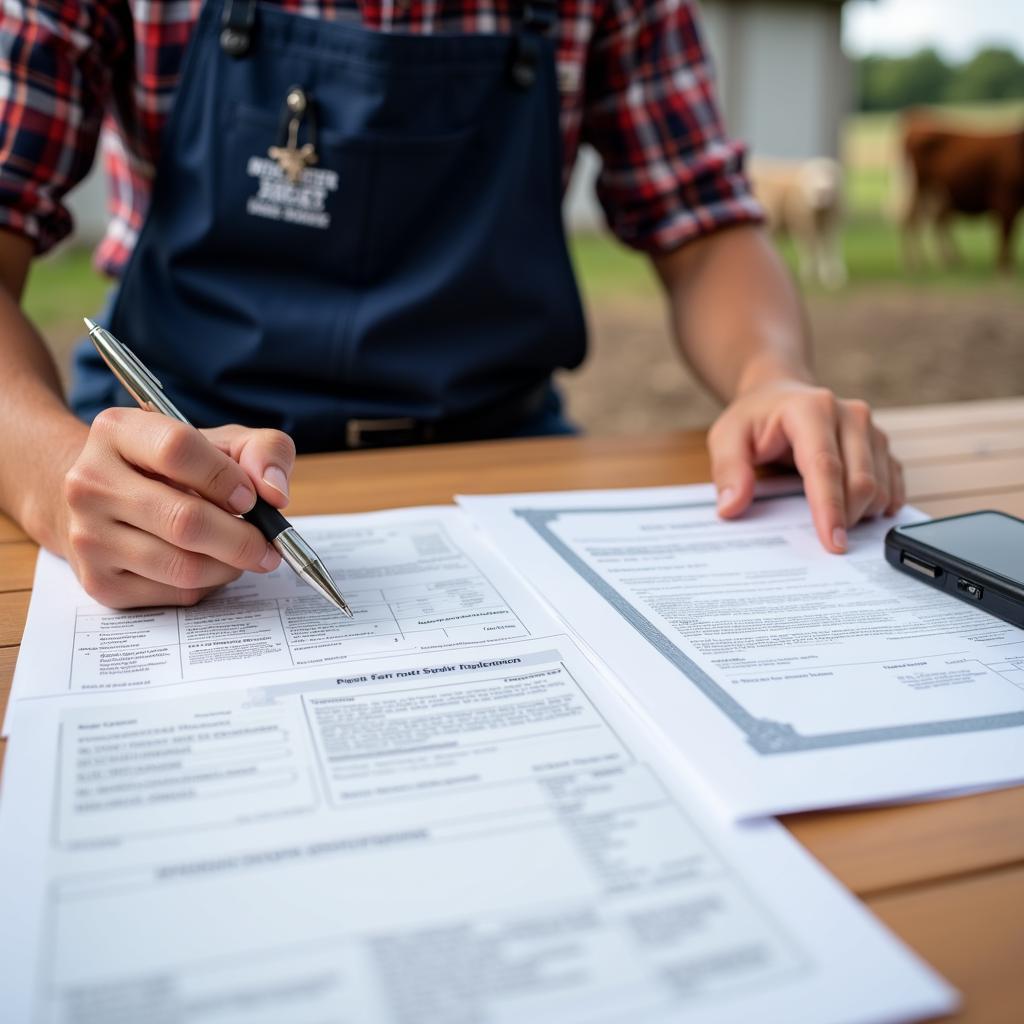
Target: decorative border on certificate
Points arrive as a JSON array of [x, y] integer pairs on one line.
[[765, 735]]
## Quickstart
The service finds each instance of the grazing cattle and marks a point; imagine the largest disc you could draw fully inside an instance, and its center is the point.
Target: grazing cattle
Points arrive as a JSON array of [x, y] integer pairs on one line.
[[954, 172], [804, 200]]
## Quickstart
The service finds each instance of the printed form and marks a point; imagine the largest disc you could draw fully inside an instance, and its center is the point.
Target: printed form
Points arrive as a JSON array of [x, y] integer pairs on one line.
[[786, 678], [422, 839], [417, 580], [439, 813]]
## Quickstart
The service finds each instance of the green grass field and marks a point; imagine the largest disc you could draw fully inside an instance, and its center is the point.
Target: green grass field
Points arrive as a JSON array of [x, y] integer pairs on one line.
[[871, 241], [61, 284], [873, 256], [874, 191]]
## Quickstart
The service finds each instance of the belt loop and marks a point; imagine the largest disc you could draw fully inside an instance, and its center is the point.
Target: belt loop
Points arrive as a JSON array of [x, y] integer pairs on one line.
[[539, 17], [237, 25]]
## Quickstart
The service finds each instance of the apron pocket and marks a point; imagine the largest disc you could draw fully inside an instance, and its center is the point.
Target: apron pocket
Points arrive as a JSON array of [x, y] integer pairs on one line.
[[413, 205], [310, 226]]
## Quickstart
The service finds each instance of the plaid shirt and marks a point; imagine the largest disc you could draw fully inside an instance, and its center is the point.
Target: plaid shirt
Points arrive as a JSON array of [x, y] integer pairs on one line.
[[633, 76]]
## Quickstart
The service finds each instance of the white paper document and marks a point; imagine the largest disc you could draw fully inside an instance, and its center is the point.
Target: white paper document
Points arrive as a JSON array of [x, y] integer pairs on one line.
[[786, 678], [417, 580], [444, 837]]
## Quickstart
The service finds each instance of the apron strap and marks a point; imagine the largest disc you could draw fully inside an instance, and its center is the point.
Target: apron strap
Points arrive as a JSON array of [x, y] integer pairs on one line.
[[539, 18], [238, 25]]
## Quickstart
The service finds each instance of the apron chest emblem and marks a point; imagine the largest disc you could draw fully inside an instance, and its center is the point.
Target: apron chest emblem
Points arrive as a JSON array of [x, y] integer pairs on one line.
[[292, 158], [291, 190]]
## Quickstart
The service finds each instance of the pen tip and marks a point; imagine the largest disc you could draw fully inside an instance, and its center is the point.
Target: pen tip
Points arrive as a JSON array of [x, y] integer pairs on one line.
[[89, 325], [316, 575]]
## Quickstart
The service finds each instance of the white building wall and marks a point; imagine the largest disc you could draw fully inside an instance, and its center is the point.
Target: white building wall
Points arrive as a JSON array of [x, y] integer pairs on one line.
[[88, 206], [784, 77]]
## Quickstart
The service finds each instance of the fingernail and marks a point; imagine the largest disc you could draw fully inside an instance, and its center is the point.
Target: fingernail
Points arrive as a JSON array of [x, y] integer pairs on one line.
[[242, 499], [275, 476], [725, 496], [271, 560], [839, 538]]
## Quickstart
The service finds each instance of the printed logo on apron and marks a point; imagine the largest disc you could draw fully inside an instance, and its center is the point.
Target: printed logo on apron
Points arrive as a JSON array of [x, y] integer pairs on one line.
[[290, 189], [302, 202]]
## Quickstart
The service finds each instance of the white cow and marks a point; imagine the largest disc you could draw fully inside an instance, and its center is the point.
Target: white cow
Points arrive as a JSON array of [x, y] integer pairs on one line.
[[804, 200]]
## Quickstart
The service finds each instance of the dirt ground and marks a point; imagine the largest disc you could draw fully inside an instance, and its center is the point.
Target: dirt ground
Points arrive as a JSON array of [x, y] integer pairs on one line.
[[891, 346]]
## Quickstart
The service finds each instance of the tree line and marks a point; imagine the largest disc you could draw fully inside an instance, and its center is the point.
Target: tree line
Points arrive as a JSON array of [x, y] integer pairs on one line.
[[891, 83]]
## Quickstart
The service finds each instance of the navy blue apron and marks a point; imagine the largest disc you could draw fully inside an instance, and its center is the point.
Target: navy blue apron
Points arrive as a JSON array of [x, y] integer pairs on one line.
[[351, 226]]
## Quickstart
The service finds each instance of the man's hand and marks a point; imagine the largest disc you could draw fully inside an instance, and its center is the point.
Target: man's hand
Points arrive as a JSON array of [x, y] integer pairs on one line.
[[842, 456], [740, 326], [150, 506]]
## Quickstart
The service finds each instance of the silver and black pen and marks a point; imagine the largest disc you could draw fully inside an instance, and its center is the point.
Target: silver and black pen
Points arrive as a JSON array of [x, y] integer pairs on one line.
[[149, 393]]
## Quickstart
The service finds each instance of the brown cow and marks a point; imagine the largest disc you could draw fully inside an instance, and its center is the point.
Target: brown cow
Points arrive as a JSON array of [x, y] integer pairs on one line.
[[953, 172]]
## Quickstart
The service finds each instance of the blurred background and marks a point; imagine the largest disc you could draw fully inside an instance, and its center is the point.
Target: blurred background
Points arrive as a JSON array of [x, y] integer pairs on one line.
[[825, 93]]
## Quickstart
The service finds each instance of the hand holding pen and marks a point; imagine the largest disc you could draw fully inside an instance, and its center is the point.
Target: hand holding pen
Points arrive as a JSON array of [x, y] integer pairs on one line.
[[152, 504]]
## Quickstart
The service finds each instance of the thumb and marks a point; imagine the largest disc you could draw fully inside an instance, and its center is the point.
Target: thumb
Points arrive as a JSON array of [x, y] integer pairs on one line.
[[268, 456], [732, 467]]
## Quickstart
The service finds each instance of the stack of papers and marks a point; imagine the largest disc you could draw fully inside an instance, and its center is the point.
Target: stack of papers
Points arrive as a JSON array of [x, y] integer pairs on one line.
[[510, 789], [786, 679]]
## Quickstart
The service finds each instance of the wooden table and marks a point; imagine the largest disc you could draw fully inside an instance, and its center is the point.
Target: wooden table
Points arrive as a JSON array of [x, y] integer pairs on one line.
[[947, 876]]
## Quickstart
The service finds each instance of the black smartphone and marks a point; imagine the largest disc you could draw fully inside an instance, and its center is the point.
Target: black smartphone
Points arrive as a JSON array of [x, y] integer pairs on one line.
[[978, 557]]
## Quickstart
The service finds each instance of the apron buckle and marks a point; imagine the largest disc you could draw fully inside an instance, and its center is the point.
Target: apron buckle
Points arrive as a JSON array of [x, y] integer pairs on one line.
[[524, 61], [237, 24], [358, 433]]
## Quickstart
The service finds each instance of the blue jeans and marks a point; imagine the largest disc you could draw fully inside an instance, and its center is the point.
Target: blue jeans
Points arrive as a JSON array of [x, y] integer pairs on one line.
[[549, 421]]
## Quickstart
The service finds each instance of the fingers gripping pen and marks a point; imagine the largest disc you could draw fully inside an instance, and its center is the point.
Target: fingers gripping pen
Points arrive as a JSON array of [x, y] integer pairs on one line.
[[149, 393]]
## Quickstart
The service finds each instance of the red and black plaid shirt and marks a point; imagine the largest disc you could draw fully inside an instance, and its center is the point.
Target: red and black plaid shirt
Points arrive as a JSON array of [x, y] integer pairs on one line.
[[633, 75]]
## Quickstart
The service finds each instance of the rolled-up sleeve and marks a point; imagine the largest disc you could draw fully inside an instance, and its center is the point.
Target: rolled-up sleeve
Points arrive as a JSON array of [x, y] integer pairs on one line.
[[55, 61], [669, 173]]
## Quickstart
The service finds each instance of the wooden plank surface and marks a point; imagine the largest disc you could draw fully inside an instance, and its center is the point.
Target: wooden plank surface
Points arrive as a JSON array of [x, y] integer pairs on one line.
[[965, 475], [13, 609], [876, 849], [933, 446], [947, 875], [1008, 501], [360, 481], [953, 416], [8, 658], [18, 565], [971, 930]]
